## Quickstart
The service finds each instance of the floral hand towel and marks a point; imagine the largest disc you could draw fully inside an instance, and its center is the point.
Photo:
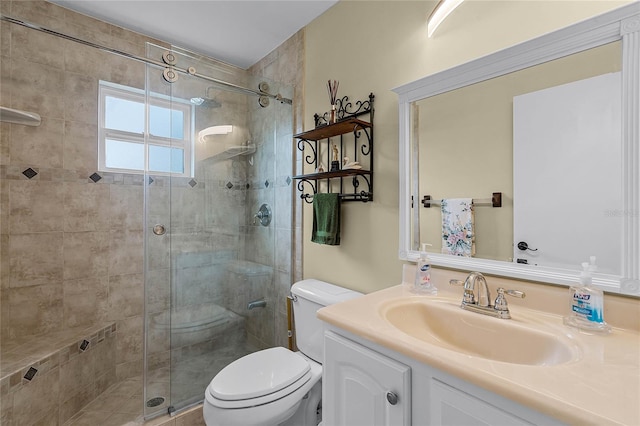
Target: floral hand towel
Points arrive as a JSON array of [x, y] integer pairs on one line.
[[457, 227]]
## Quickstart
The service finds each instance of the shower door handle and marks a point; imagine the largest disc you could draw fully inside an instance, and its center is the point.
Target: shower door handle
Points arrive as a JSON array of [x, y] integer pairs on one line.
[[159, 229]]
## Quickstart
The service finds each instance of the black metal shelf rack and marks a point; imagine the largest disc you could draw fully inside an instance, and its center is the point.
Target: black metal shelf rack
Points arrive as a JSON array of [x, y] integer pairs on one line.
[[349, 128]]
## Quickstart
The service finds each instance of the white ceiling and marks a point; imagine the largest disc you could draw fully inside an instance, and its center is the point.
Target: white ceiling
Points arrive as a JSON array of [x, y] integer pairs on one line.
[[239, 32]]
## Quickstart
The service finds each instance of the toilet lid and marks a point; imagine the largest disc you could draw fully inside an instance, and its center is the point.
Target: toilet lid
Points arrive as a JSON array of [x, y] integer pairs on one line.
[[258, 374]]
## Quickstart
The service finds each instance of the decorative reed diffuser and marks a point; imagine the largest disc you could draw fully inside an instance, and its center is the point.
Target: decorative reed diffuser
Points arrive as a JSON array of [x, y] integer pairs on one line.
[[332, 89]]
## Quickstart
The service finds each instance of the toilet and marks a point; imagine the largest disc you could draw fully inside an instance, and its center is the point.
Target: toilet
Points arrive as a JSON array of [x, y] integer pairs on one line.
[[276, 386]]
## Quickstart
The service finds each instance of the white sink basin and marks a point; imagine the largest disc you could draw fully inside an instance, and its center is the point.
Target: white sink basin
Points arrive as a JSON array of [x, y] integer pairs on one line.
[[445, 324]]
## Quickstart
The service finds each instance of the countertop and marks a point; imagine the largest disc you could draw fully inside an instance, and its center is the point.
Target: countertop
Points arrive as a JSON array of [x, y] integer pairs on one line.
[[602, 386]]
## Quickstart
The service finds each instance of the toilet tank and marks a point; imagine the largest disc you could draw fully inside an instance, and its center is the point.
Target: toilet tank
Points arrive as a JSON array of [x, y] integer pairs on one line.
[[309, 296]]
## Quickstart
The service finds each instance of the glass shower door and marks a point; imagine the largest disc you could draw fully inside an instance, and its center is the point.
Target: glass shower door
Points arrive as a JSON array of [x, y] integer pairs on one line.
[[210, 263]]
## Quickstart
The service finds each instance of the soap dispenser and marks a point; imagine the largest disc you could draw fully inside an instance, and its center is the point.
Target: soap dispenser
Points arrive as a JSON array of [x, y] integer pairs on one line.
[[587, 303], [422, 283]]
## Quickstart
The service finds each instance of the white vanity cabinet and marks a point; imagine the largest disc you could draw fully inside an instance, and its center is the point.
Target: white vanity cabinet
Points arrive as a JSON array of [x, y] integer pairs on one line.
[[363, 387], [358, 375]]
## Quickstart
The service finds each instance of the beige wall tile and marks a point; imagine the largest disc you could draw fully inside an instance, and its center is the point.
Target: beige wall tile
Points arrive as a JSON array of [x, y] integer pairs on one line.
[[129, 340], [24, 320], [5, 36], [126, 252], [80, 147], [127, 72], [77, 375], [38, 11], [36, 47], [128, 370], [4, 206], [5, 137], [38, 146], [85, 301], [159, 249], [6, 409], [126, 296], [39, 88], [35, 207], [157, 293], [105, 361], [81, 101], [85, 254], [35, 399], [126, 206], [71, 403], [87, 28], [86, 207], [86, 61], [35, 259]]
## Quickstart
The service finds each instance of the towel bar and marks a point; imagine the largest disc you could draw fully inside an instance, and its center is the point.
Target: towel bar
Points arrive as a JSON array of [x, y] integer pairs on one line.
[[494, 201]]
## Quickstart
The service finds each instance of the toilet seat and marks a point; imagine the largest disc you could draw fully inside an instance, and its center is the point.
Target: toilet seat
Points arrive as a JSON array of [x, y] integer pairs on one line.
[[259, 378]]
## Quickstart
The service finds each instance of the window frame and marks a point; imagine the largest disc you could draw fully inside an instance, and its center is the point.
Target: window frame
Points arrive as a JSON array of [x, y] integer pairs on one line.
[[108, 89]]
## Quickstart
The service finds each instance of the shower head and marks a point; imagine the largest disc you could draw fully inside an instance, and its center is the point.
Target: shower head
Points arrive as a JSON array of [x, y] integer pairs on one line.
[[205, 101]]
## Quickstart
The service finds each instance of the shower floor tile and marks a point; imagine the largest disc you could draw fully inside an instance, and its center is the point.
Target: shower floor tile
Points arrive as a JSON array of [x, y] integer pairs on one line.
[[122, 404], [119, 405]]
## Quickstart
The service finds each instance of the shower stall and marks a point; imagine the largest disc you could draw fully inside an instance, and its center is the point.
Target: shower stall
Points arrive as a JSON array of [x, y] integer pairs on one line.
[[146, 216], [210, 253]]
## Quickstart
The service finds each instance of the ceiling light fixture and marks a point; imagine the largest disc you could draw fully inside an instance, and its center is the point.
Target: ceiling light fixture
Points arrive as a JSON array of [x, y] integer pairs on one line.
[[440, 13]]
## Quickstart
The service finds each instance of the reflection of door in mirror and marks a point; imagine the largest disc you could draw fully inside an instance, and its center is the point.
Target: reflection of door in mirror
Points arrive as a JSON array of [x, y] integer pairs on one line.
[[579, 123], [464, 140]]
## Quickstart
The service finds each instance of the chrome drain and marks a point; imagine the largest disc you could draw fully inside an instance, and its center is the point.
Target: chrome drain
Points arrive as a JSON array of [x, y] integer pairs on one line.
[[154, 402]]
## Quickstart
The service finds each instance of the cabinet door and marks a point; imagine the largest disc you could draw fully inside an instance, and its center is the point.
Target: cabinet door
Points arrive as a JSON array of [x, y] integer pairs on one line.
[[451, 406], [363, 387]]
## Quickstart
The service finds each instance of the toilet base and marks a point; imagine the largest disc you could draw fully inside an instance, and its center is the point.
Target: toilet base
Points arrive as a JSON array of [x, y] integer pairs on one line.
[[308, 413]]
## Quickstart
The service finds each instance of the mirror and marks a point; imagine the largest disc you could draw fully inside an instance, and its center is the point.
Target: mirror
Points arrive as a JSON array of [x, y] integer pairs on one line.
[[481, 128]]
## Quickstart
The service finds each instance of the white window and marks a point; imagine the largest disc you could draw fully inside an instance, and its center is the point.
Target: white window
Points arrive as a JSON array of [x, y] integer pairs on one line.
[[135, 136]]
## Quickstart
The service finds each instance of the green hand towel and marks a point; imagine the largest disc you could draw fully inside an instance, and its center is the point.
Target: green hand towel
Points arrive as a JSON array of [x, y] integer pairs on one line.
[[326, 219]]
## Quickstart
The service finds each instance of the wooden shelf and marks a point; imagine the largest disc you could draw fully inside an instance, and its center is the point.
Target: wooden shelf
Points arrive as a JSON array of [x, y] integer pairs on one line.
[[348, 125], [329, 175]]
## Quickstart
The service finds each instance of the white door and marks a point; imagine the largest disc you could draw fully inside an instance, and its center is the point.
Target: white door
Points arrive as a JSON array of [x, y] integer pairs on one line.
[[566, 140], [362, 387]]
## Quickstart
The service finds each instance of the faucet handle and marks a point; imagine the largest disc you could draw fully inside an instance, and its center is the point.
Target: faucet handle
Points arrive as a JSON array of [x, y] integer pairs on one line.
[[501, 301], [468, 297]]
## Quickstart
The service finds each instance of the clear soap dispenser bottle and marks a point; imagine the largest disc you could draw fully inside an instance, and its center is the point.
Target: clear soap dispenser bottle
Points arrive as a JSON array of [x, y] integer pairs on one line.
[[422, 283], [587, 303]]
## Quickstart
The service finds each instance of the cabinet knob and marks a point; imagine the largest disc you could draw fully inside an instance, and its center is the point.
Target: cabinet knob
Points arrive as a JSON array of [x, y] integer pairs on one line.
[[392, 398]]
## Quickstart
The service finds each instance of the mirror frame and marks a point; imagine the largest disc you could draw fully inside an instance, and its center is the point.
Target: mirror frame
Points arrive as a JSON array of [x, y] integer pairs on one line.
[[622, 24]]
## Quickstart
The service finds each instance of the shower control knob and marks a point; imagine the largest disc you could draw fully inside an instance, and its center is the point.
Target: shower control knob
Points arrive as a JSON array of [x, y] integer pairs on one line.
[[392, 398]]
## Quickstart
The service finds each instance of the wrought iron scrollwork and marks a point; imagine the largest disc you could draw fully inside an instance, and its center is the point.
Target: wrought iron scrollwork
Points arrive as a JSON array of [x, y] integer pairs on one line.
[[306, 196], [365, 148], [356, 152], [309, 159], [345, 110]]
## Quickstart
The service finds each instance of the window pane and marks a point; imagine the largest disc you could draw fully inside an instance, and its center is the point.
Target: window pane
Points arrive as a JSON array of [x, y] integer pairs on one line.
[[124, 155], [166, 123], [123, 114], [166, 159]]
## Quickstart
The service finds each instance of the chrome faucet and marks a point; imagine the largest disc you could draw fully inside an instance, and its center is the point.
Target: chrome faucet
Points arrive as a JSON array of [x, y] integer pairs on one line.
[[482, 302]]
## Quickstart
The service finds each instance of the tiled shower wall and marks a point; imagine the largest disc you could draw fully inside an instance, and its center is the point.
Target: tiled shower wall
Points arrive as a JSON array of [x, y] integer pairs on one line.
[[72, 246], [285, 64]]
